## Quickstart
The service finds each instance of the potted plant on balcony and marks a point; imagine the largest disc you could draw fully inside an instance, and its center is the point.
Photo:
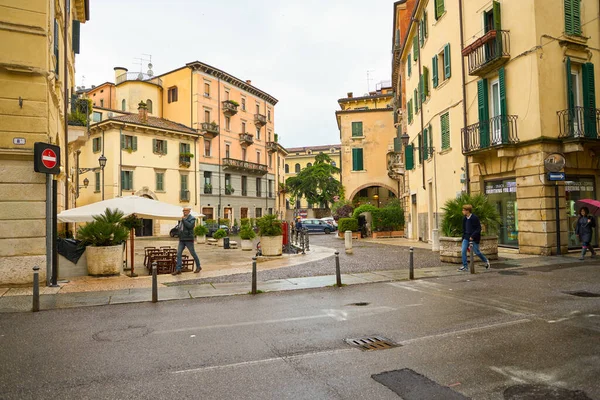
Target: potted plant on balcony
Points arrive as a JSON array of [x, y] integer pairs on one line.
[[200, 231], [451, 242], [271, 235], [247, 234], [229, 189], [235, 103], [104, 239], [207, 188], [219, 235]]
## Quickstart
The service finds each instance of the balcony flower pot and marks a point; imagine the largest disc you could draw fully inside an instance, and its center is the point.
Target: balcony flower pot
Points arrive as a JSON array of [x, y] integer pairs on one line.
[[271, 235]]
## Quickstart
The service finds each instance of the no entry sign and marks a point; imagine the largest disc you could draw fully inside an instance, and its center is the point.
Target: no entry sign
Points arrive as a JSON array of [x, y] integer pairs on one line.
[[46, 158]]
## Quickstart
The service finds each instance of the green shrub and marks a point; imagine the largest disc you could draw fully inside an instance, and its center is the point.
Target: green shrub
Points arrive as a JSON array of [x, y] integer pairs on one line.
[[132, 222], [364, 208], [348, 224], [247, 233], [210, 221], [219, 234], [235, 223], [453, 216], [244, 221], [200, 230], [269, 225], [388, 218], [106, 230], [224, 221]]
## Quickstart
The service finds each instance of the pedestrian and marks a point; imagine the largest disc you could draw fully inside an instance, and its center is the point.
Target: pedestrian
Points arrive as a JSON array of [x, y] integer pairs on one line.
[[186, 239], [584, 231], [471, 233]]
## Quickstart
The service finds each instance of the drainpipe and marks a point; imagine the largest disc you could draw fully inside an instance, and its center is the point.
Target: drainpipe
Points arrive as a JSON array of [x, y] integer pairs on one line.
[[196, 192], [219, 118], [120, 161], [66, 18], [422, 121], [464, 89]]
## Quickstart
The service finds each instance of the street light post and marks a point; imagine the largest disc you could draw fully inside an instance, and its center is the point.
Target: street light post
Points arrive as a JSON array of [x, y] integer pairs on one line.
[[102, 161]]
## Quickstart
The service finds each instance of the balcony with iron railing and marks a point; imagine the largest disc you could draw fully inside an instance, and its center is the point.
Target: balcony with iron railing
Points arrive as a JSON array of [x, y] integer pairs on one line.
[[260, 120], [246, 139], [185, 160], [272, 147], [138, 76], [229, 108], [209, 130], [578, 123], [208, 188], [244, 166], [487, 53], [496, 132]]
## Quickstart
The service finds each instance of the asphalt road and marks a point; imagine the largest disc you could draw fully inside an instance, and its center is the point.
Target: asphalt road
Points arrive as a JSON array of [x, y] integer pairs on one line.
[[490, 336]]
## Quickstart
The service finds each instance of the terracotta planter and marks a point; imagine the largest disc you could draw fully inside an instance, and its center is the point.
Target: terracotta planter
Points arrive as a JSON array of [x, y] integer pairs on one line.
[[104, 261], [355, 235], [247, 245], [451, 249], [201, 239], [271, 245], [388, 234]]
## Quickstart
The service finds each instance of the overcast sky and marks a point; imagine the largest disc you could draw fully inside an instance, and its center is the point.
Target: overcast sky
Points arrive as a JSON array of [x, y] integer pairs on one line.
[[306, 53]]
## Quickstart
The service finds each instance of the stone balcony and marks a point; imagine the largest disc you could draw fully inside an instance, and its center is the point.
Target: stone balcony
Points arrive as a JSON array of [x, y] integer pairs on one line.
[[209, 130], [229, 108], [260, 120], [246, 139], [244, 166]]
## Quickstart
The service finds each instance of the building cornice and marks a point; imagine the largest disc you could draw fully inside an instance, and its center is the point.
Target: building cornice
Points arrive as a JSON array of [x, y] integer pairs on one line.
[[387, 109], [111, 123], [376, 97]]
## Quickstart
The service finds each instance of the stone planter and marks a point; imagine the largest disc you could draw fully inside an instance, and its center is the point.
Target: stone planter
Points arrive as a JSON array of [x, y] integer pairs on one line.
[[271, 245], [451, 249], [104, 261], [220, 242], [201, 239], [388, 234], [247, 245]]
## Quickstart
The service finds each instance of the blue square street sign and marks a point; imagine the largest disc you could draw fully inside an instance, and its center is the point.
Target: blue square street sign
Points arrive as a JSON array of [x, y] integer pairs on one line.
[[556, 176]]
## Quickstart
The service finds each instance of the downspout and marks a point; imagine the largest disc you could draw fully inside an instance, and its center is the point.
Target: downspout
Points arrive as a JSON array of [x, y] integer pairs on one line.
[[464, 89], [67, 17], [120, 161], [267, 164], [219, 118], [421, 152], [196, 192]]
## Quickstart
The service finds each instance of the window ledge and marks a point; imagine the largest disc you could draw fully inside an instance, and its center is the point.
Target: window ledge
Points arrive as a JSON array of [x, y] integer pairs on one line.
[[445, 151], [357, 137], [160, 191], [441, 84], [436, 21], [96, 191], [359, 171]]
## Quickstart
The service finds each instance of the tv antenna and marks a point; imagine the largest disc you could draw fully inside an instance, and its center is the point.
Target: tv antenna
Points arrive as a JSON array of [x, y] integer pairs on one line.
[[140, 61], [369, 79]]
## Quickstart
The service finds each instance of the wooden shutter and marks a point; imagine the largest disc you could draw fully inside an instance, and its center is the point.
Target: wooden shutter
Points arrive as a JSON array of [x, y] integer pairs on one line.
[[154, 146], [130, 179], [421, 34], [165, 146], [430, 144], [589, 100], [357, 129], [410, 111], [425, 82], [416, 99], [410, 157], [360, 159], [572, 17], [445, 125], [134, 143], [416, 46], [76, 35], [97, 181], [425, 24], [498, 27], [357, 159], [420, 141], [122, 141], [409, 65], [425, 143], [484, 113], [503, 106], [434, 67], [447, 69], [123, 183], [56, 47], [439, 8]]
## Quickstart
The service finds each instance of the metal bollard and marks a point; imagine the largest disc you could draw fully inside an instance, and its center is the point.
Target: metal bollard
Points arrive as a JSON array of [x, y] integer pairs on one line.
[[36, 289], [411, 266], [154, 282], [307, 241], [253, 275], [472, 259], [302, 235], [338, 274]]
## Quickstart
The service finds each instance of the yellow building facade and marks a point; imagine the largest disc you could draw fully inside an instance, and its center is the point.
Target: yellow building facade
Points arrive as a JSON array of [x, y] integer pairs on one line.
[[226, 163], [370, 156], [38, 43], [528, 88], [299, 158]]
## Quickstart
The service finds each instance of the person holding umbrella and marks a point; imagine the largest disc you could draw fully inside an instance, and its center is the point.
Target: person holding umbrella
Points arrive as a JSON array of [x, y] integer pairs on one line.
[[584, 231]]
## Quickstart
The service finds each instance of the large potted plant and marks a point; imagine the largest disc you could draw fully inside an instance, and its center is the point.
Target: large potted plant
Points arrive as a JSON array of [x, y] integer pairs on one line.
[[219, 235], [451, 241], [247, 234], [200, 231], [271, 235], [348, 224], [389, 220], [104, 239]]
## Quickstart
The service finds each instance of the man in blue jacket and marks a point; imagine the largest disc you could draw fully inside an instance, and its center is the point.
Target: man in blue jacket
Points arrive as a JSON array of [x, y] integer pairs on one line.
[[471, 232], [186, 239]]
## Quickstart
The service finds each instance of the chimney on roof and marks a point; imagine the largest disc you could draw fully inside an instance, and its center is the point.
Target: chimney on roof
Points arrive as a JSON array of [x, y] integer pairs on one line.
[[349, 95], [248, 81], [119, 71], [143, 112]]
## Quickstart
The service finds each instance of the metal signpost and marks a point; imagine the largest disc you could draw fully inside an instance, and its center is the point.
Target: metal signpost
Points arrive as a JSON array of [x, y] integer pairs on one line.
[[554, 163]]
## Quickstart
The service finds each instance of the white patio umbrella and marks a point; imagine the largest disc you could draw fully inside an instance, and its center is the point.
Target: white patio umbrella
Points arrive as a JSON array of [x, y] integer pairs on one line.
[[142, 207]]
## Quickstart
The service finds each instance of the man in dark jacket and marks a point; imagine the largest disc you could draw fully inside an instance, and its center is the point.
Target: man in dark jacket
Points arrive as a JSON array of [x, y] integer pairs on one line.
[[471, 232], [186, 239]]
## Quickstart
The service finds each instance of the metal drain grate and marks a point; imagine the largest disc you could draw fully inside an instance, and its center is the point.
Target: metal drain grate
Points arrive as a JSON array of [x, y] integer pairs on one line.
[[372, 343], [583, 293]]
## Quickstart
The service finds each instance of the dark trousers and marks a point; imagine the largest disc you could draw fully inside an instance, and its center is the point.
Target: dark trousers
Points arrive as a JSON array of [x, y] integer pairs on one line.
[[190, 247]]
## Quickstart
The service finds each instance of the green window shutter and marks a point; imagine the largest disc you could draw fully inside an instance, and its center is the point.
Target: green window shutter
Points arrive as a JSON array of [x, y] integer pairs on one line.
[[497, 17], [360, 159], [572, 17], [425, 144], [410, 157], [439, 8], [130, 180], [570, 92], [410, 111], [123, 180], [421, 98], [425, 24], [357, 159], [589, 100], [576, 17], [97, 181], [445, 125], [76, 29], [354, 159], [425, 82], [434, 67], [160, 181], [484, 113], [56, 47], [447, 70], [416, 46], [165, 146], [420, 141], [154, 146], [416, 99], [357, 129], [421, 34], [122, 141], [134, 143], [430, 145], [503, 106], [408, 65]]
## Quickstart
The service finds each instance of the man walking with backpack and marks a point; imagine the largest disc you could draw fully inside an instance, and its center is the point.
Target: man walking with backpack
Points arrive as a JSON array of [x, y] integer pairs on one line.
[[471, 232], [186, 239]]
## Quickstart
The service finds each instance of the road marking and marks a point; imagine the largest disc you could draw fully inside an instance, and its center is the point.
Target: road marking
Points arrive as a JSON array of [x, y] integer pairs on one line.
[[469, 330], [263, 361]]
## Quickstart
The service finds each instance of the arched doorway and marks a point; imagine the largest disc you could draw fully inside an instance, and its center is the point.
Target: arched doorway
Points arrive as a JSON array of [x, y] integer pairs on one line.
[[375, 194]]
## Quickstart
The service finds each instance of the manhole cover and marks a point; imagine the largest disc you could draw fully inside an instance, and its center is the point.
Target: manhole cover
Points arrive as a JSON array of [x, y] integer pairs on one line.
[[121, 334], [372, 343], [512, 273], [542, 392], [583, 293], [361, 304]]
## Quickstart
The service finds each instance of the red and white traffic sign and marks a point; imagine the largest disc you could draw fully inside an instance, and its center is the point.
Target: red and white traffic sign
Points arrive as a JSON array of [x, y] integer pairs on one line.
[[49, 158]]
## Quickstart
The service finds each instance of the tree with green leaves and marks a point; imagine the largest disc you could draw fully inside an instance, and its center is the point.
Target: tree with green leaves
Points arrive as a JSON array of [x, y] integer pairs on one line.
[[316, 183]]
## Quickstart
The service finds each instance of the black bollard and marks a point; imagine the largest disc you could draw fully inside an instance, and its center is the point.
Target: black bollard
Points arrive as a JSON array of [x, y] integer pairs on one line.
[[154, 282], [411, 266], [307, 241], [253, 275], [472, 259], [338, 274], [36, 289]]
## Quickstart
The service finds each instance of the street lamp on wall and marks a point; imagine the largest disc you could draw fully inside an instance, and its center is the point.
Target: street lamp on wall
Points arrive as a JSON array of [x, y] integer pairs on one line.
[[102, 161], [86, 182]]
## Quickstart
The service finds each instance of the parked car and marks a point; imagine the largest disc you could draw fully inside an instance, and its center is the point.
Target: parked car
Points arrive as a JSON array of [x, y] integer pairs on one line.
[[212, 228], [330, 221], [316, 225]]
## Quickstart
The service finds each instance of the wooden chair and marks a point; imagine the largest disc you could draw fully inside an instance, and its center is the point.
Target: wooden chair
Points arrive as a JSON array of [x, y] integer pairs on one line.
[[164, 264], [152, 255], [146, 254]]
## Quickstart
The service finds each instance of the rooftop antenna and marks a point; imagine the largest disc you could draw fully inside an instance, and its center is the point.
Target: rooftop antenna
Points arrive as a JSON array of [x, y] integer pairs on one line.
[[140, 61], [369, 79]]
